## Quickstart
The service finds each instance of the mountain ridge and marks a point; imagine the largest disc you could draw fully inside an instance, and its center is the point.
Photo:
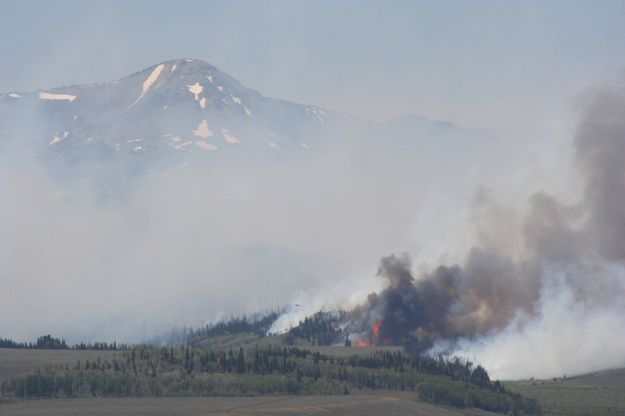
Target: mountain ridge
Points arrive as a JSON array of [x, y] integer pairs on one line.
[[191, 101], [180, 109]]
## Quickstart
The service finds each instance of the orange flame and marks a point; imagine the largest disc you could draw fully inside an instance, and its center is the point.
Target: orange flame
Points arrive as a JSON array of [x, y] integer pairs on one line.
[[373, 340], [376, 328]]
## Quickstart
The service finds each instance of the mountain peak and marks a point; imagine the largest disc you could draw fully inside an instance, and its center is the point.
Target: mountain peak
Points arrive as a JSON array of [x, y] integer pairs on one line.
[[187, 68], [187, 63], [181, 105]]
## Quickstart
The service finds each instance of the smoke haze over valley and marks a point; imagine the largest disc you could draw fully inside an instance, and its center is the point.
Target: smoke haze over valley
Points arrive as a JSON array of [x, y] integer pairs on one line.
[[189, 227]]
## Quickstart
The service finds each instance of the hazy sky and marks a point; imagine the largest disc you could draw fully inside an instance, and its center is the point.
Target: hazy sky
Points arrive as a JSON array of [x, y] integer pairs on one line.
[[462, 61]]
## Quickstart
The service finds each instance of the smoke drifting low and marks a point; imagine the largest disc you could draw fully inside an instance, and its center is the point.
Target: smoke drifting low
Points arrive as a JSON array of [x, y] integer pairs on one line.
[[205, 238], [555, 306]]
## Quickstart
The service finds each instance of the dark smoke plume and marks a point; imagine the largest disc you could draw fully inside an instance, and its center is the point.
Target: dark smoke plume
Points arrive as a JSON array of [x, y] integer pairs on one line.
[[577, 245], [449, 302]]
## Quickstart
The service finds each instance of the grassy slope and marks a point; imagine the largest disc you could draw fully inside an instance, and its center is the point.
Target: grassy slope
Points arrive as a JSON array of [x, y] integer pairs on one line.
[[14, 362], [362, 404], [596, 394], [601, 393]]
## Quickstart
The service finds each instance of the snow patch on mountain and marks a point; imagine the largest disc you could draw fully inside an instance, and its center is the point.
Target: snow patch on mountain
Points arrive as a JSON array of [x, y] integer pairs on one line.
[[179, 146], [203, 130], [150, 80], [14, 95], [60, 97], [206, 146], [195, 89], [229, 137], [58, 138]]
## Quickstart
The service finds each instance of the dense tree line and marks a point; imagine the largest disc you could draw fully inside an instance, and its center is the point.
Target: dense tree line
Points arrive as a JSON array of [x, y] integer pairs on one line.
[[258, 324], [184, 370], [48, 342], [323, 328], [101, 346], [454, 368]]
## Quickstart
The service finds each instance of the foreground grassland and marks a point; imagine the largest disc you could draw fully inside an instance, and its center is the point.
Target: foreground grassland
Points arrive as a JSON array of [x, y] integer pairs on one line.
[[16, 362], [145, 371], [378, 403], [595, 394]]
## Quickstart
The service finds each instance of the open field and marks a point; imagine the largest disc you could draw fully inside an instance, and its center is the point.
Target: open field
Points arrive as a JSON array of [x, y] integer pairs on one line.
[[14, 362], [391, 403], [596, 394]]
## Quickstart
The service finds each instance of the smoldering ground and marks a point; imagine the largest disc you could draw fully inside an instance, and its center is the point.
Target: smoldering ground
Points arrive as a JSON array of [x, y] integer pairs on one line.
[[553, 307]]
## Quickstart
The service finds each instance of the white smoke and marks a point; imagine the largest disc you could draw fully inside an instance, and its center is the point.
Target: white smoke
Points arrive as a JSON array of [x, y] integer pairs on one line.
[[566, 337], [577, 324]]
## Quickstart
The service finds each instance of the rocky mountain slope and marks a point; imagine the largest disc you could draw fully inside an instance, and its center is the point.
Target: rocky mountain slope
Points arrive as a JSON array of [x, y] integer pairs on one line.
[[184, 106]]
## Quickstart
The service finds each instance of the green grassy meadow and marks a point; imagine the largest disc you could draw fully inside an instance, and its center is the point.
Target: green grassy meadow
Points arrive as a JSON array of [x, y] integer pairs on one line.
[[595, 394]]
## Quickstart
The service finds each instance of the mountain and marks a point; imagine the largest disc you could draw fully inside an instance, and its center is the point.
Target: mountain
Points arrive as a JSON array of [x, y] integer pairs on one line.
[[184, 106], [185, 109]]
